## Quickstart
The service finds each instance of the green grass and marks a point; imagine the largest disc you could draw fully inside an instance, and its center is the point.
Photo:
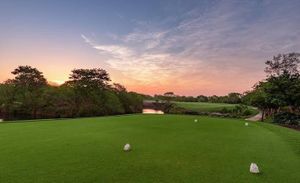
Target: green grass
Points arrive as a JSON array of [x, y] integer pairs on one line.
[[166, 148], [210, 107], [205, 106]]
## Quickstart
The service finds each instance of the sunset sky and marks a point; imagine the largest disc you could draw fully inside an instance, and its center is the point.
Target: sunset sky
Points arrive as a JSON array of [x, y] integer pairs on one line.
[[190, 47]]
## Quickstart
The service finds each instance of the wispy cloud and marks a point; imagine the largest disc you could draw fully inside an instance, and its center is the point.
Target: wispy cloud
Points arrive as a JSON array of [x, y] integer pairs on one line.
[[207, 48], [115, 50], [139, 66], [87, 40]]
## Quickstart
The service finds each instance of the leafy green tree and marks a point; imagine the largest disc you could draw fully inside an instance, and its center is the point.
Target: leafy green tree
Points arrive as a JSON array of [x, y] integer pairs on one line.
[[28, 85], [28, 77], [281, 89], [89, 78], [258, 98], [113, 104], [119, 88], [202, 98], [87, 93], [89, 86], [7, 100], [283, 64], [234, 98], [169, 94], [283, 81]]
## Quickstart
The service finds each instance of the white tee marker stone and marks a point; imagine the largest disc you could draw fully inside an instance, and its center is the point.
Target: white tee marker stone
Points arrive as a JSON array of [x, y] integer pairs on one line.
[[246, 124], [127, 147], [254, 168], [196, 120]]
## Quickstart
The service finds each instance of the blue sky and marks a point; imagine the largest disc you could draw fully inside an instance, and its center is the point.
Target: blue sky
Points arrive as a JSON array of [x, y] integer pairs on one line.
[[189, 47]]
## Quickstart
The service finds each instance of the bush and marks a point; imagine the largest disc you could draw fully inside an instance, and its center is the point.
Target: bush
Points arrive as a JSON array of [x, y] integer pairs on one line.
[[247, 112], [286, 118], [238, 111], [191, 112], [177, 110], [225, 110]]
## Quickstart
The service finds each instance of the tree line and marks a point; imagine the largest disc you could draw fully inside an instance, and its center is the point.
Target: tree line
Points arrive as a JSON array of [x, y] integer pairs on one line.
[[231, 98], [88, 92], [278, 96]]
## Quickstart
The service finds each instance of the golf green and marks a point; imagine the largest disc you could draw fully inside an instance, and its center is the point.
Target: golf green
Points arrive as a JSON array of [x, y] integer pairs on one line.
[[205, 106], [166, 148]]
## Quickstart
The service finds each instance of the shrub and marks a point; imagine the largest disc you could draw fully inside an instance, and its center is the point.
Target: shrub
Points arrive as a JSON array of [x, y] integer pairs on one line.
[[176, 110], [225, 110], [286, 118], [191, 112], [247, 112]]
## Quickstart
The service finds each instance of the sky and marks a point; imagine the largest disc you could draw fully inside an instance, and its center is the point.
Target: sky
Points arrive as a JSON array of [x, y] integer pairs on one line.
[[190, 47]]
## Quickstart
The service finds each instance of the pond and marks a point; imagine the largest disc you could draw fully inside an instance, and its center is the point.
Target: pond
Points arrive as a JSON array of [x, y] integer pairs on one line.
[[152, 111]]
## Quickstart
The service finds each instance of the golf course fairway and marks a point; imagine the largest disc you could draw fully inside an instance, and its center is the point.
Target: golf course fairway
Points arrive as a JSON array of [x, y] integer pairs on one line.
[[165, 148]]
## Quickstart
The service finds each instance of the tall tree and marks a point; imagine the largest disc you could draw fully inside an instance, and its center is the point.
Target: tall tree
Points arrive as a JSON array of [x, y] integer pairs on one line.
[[119, 88], [234, 98], [7, 99], [90, 87], [29, 77], [28, 85], [89, 78], [87, 93], [283, 63], [281, 89]]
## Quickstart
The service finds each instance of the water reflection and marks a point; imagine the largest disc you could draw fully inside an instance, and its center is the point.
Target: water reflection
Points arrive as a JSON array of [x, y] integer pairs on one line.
[[152, 111]]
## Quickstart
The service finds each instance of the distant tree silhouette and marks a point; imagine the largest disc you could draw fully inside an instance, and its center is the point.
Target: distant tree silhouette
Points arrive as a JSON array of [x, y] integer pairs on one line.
[[87, 93], [89, 78], [29, 77]]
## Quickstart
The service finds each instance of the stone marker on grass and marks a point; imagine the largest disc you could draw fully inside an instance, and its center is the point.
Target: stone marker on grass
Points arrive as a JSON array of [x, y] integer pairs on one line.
[[254, 168], [127, 147], [1, 120]]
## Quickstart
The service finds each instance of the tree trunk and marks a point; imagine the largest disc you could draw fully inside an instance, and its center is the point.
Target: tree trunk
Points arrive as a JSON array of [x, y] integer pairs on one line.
[[262, 115]]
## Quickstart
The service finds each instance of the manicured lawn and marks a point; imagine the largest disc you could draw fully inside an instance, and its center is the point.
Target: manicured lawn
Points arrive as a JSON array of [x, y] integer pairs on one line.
[[209, 107], [166, 148], [205, 106]]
